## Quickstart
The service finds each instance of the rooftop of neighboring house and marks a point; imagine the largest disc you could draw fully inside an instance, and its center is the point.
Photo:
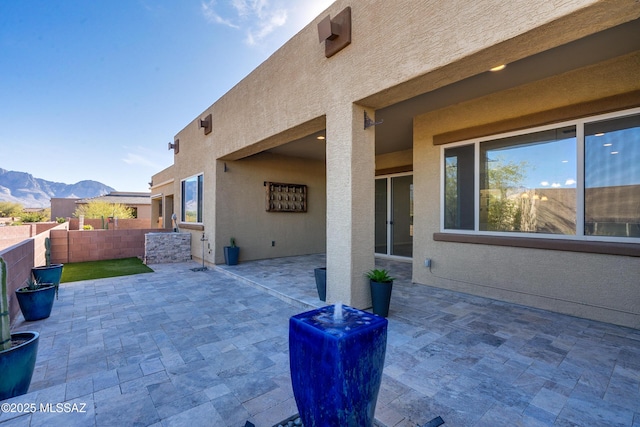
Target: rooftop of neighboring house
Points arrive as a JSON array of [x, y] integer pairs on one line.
[[123, 197]]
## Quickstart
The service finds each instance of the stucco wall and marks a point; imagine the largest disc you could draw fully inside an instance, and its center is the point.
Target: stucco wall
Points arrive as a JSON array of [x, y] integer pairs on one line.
[[596, 286], [162, 190], [399, 49], [241, 208]]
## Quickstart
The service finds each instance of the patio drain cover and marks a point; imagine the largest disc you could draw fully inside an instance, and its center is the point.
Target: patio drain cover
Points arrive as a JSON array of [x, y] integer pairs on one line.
[[437, 421]]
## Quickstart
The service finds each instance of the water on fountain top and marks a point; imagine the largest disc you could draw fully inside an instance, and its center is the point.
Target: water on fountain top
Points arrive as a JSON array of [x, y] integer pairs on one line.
[[338, 320], [337, 312]]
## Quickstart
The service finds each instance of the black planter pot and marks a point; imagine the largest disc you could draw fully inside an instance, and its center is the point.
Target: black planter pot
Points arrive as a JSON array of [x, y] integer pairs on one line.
[[321, 282], [17, 364], [50, 274], [36, 304], [231, 255], [381, 297]]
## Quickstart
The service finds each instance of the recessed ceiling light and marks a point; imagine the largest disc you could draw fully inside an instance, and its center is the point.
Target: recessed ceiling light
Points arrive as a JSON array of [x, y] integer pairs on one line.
[[608, 144], [498, 68], [599, 134], [321, 137], [614, 152]]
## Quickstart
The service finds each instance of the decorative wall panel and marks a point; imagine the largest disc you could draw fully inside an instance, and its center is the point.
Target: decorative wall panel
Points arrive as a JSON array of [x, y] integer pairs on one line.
[[282, 197]]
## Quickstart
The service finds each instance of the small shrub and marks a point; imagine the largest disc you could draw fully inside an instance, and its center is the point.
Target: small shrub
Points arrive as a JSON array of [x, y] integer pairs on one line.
[[33, 217], [33, 284], [381, 276], [87, 227], [60, 220]]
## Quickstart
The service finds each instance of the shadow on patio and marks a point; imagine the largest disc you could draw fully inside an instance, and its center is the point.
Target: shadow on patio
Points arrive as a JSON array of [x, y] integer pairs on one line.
[[178, 347]]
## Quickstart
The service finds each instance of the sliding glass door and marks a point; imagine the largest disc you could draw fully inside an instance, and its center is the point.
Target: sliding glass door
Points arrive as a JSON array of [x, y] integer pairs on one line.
[[394, 215]]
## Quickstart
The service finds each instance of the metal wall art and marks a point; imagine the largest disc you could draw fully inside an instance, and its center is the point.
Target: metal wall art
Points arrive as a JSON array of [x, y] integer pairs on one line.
[[285, 197]]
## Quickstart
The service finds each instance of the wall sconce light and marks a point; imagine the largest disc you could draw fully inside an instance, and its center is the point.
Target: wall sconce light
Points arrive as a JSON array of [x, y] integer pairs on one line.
[[336, 32], [206, 124], [368, 122], [175, 146]]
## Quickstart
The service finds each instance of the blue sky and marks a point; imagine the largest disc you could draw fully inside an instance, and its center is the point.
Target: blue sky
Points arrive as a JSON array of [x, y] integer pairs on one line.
[[96, 89]]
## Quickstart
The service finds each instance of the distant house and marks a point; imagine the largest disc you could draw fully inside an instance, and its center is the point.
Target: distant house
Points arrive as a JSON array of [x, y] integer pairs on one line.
[[62, 207], [139, 202]]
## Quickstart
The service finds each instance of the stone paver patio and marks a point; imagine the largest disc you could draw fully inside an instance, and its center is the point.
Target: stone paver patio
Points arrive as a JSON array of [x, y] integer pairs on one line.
[[183, 348]]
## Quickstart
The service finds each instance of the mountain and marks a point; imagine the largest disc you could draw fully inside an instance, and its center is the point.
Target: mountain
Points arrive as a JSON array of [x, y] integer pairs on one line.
[[30, 192]]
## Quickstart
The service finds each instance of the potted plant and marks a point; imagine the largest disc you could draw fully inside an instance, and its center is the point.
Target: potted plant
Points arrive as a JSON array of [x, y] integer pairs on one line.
[[49, 273], [36, 299], [231, 253], [321, 282], [17, 351], [381, 285]]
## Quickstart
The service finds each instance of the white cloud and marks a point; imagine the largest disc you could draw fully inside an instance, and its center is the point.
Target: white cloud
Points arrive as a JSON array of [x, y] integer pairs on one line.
[[570, 181], [261, 18], [258, 18], [141, 159], [266, 26], [211, 15]]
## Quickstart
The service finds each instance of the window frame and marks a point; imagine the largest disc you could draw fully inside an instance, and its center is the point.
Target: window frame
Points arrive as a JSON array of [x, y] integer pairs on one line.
[[199, 199], [514, 236]]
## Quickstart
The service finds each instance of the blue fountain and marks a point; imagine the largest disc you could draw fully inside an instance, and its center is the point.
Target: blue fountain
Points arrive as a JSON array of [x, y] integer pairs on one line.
[[336, 356]]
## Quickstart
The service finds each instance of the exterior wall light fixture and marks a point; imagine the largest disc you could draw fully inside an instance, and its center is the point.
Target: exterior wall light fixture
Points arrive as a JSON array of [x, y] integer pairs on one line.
[[368, 122], [336, 32], [175, 146], [206, 124]]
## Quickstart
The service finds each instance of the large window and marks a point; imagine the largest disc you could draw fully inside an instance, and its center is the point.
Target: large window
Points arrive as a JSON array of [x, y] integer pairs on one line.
[[612, 177], [575, 179], [192, 199]]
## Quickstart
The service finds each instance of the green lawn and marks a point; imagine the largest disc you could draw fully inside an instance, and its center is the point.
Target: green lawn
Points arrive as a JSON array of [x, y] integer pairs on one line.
[[101, 269]]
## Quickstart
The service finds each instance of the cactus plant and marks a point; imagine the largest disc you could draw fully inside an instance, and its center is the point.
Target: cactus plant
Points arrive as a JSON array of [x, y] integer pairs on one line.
[[33, 284], [5, 332], [47, 251], [51, 273]]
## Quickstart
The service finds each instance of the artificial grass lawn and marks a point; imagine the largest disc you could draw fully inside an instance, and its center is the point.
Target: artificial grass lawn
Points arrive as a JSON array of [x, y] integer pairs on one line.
[[101, 269]]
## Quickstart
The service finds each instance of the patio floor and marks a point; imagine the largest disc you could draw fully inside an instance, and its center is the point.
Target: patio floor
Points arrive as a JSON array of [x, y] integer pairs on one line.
[[183, 348]]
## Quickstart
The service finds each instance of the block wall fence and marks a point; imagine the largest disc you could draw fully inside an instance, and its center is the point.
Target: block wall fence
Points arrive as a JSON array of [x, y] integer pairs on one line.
[[17, 233], [133, 223], [20, 260], [22, 257], [95, 245]]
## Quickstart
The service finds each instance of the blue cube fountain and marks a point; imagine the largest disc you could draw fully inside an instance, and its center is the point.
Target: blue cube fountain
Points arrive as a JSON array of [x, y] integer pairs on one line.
[[336, 356]]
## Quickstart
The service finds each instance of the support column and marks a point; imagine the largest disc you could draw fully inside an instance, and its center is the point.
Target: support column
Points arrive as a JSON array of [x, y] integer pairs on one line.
[[350, 205]]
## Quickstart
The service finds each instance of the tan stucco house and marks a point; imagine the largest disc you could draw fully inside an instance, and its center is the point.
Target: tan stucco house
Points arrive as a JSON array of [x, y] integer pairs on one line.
[[380, 129]]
